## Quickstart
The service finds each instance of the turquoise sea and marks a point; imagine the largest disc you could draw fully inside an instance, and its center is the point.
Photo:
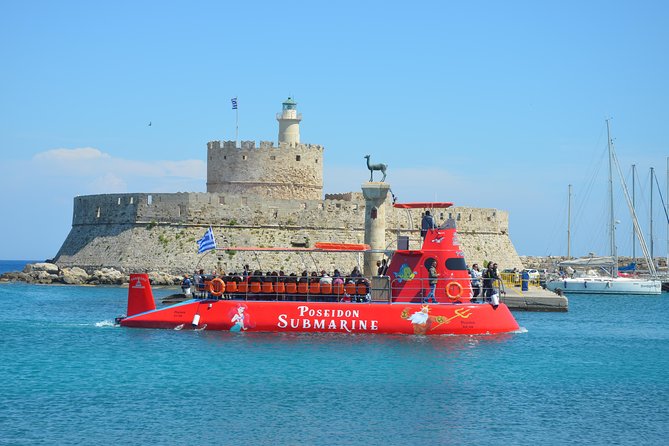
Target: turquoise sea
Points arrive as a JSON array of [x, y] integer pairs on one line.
[[595, 375]]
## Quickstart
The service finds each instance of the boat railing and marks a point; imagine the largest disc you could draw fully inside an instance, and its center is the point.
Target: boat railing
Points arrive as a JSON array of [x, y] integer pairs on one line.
[[374, 289], [291, 289], [455, 288]]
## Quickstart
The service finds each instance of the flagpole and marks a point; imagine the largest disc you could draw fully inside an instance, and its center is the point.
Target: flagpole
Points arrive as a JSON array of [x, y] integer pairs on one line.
[[236, 125]]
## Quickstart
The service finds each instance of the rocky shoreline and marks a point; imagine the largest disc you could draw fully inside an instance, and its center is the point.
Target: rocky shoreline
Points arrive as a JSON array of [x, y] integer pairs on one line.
[[50, 273]]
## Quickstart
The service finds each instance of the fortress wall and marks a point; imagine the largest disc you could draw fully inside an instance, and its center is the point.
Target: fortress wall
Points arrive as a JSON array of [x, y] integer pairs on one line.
[[159, 231], [285, 172]]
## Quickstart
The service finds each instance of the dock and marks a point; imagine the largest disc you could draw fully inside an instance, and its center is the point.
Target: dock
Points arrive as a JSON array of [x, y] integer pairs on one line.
[[534, 299]]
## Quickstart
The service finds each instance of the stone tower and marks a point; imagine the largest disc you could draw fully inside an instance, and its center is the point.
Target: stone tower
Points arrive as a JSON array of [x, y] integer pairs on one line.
[[291, 171], [289, 123]]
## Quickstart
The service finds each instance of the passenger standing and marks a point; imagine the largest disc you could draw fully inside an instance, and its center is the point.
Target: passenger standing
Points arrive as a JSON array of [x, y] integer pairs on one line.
[[476, 280], [383, 268], [432, 275], [487, 282], [426, 224], [185, 285]]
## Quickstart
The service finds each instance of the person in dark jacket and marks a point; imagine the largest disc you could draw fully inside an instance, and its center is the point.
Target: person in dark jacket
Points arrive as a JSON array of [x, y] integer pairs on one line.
[[426, 224]]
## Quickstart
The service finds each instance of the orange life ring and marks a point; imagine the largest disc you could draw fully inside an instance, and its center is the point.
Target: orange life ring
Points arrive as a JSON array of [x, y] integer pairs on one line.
[[216, 292], [457, 293]]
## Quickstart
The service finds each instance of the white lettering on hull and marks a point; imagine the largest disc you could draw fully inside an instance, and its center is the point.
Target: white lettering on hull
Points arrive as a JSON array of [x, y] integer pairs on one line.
[[315, 319]]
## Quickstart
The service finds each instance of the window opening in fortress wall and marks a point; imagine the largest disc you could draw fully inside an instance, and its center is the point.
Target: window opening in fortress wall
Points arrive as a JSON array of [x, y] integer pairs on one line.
[[244, 157], [132, 200], [221, 200], [297, 157], [97, 213], [149, 199], [458, 217], [273, 157], [119, 201]]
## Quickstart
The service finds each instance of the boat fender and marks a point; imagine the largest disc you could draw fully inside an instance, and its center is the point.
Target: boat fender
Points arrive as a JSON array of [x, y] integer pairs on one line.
[[495, 299], [196, 320], [453, 290]]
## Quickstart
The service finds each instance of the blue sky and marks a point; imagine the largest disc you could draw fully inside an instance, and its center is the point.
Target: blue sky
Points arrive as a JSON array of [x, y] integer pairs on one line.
[[484, 103]]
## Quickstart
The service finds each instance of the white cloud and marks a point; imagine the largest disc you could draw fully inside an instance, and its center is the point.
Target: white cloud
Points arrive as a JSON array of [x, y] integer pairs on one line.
[[103, 168], [71, 155]]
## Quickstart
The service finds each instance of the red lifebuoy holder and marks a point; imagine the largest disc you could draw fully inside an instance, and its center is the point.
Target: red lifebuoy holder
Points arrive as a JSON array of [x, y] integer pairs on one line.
[[216, 287], [454, 290]]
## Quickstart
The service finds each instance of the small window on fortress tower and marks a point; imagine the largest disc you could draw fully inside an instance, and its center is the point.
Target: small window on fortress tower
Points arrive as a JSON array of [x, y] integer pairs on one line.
[[149, 199], [316, 160], [458, 217], [221, 200], [244, 157], [132, 200], [225, 157], [298, 158], [273, 157], [97, 213], [119, 201]]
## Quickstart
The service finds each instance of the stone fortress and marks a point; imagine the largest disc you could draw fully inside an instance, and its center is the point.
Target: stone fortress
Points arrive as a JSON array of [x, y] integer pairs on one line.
[[263, 196]]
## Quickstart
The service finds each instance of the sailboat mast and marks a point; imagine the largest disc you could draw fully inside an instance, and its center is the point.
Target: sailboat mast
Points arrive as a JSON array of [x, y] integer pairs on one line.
[[569, 225], [652, 175], [612, 224], [634, 208]]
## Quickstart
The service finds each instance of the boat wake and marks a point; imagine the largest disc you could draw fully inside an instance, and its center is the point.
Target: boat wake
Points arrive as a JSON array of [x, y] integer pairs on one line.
[[106, 323]]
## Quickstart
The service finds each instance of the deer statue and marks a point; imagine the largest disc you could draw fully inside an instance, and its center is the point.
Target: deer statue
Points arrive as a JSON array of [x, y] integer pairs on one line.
[[373, 167]]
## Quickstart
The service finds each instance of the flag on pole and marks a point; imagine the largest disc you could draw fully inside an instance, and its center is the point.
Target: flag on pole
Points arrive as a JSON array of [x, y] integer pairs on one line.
[[207, 242], [234, 103]]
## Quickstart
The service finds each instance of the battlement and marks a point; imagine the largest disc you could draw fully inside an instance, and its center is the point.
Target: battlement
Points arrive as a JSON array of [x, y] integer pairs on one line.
[[263, 145], [289, 171]]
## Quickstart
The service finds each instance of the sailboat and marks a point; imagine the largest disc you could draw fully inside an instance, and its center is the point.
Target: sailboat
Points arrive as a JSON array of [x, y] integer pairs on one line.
[[602, 272]]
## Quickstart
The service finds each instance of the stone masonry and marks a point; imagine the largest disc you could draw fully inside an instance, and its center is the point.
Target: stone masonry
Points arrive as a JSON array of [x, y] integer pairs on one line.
[[158, 232]]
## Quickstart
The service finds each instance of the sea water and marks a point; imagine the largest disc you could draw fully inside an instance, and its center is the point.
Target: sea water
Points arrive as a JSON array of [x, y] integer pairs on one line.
[[594, 375]]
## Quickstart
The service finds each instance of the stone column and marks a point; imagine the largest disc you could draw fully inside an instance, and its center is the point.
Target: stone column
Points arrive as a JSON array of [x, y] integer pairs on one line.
[[375, 222]]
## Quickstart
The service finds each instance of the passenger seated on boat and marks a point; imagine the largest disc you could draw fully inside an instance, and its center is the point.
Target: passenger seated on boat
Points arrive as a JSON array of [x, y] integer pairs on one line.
[[256, 277], [325, 278], [337, 278], [362, 290], [355, 273], [304, 277]]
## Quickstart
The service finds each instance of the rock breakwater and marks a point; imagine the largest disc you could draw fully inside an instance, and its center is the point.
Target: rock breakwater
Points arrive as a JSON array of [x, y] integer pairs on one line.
[[50, 273]]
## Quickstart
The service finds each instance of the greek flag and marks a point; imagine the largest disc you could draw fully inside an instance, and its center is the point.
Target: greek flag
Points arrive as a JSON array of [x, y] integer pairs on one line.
[[207, 242], [234, 103]]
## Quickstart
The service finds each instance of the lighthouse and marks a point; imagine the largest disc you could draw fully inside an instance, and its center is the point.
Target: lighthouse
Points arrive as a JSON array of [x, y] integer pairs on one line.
[[289, 123]]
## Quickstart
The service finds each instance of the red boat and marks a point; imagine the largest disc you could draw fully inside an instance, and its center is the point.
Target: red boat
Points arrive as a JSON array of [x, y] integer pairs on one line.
[[389, 304]]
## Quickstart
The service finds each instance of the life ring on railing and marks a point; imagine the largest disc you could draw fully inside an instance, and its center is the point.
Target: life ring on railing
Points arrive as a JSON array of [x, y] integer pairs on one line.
[[454, 290], [216, 291]]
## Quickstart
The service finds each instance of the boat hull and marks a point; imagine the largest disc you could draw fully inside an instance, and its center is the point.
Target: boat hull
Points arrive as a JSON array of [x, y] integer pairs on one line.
[[597, 285], [340, 317]]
